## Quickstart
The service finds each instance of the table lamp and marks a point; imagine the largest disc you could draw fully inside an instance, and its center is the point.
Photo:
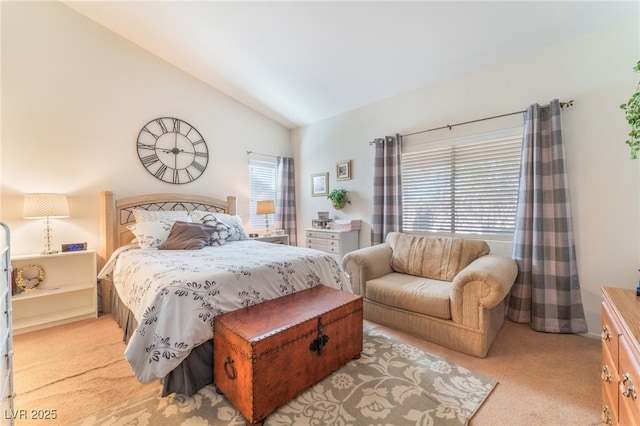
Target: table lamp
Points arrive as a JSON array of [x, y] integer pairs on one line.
[[46, 206], [266, 208]]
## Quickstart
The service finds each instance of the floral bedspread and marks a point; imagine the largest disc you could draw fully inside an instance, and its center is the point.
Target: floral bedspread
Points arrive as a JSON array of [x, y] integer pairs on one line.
[[175, 294]]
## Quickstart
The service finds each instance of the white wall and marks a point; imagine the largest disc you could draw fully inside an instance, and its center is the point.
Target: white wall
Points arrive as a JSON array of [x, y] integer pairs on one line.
[[594, 70], [74, 98]]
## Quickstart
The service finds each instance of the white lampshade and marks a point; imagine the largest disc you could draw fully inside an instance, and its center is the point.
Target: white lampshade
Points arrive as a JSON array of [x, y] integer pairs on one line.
[[266, 207], [47, 206], [41, 205]]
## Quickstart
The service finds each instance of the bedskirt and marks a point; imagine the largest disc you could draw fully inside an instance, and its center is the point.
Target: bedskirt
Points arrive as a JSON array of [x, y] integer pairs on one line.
[[195, 371]]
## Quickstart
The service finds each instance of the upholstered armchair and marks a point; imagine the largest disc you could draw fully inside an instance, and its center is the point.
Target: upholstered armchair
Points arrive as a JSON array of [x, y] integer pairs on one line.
[[450, 291]]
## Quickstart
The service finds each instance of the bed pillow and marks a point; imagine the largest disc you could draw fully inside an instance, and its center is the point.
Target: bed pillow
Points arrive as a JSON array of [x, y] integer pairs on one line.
[[142, 215], [188, 236], [223, 232], [151, 234], [234, 223], [202, 217], [236, 230]]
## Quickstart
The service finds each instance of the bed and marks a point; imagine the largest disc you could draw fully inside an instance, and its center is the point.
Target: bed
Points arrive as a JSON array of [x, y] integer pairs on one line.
[[172, 262]]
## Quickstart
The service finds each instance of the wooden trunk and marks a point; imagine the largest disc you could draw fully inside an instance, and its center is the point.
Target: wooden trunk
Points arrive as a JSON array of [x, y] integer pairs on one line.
[[267, 354]]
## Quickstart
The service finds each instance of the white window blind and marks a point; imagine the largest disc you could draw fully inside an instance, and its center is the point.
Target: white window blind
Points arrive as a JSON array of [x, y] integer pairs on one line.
[[262, 183], [463, 186]]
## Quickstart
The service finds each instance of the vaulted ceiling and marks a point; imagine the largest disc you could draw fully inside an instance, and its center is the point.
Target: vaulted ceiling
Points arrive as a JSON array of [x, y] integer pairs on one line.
[[299, 62]]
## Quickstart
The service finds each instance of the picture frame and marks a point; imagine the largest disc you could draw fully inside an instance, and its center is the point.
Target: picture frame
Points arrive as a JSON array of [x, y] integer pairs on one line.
[[343, 170], [320, 184]]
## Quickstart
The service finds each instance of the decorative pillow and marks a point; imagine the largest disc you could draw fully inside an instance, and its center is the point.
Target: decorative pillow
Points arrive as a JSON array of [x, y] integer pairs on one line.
[[188, 236], [202, 217], [438, 258], [142, 215], [151, 234], [223, 232], [234, 223]]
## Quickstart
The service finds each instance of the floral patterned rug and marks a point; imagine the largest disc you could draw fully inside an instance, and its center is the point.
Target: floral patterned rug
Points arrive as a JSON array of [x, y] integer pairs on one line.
[[393, 383]]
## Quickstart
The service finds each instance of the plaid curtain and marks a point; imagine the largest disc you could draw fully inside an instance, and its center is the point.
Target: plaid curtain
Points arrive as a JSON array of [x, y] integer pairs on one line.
[[286, 199], [547, 290], [387, 189]]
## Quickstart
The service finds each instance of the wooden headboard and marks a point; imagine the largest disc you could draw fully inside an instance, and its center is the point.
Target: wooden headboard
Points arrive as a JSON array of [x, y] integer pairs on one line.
[[117, 214]]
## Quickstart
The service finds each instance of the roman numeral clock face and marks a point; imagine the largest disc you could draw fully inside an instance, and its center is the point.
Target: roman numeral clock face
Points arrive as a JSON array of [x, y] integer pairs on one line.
[[172, 150]]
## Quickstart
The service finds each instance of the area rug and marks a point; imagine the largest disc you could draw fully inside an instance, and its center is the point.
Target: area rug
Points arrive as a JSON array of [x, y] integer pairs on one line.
[[393, 383]]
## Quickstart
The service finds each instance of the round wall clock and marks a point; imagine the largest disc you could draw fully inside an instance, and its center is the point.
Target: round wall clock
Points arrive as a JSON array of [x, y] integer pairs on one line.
[[172, 150]]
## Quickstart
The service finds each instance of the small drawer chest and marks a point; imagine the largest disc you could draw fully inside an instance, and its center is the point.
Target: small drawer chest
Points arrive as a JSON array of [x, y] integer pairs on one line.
[[620, 371], [332, 241]]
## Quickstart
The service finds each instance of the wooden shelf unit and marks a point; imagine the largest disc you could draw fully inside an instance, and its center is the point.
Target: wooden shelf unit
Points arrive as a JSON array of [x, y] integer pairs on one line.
[[68, 292]]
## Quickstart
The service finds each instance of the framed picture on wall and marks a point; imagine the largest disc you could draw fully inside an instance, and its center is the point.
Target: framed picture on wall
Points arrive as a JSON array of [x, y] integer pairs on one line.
[[343, 170], [320, 184]]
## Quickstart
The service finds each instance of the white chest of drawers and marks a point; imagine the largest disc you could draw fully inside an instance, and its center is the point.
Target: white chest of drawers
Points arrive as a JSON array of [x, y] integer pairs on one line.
[[332, 241]]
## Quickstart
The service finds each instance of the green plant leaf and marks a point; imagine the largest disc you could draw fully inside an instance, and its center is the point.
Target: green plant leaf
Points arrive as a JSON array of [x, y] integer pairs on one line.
[[632, 115]]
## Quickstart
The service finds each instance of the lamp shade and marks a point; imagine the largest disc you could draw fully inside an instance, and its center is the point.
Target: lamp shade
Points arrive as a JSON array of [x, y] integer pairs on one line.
[[266, 207], [45, 205]]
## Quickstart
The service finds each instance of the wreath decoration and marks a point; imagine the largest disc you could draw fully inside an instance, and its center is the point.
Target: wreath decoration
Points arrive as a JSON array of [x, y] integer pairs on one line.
[[29, 277]]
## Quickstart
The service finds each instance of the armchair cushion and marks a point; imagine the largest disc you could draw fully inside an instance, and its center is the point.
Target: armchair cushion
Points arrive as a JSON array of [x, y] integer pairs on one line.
[[438, 258], [415, 294]]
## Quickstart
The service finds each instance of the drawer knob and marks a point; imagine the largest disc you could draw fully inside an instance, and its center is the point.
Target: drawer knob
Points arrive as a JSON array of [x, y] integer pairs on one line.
[[606, 416], [630, 391], [606, 333], [606, 375]]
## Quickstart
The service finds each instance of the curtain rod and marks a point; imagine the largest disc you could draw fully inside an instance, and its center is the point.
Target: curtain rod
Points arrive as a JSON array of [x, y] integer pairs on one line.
[[451, 126], [264, 155]]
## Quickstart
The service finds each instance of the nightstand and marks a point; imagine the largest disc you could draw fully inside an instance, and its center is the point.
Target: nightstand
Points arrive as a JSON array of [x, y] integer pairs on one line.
[[275, 239], [68, 292]]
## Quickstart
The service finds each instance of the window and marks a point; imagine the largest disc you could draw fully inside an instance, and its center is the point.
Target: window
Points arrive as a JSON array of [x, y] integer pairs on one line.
[[262, 186], [463, 186]]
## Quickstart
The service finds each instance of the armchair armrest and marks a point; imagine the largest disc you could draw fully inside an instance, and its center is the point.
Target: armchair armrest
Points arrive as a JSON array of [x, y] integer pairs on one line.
[[484, 283], [366, 264]]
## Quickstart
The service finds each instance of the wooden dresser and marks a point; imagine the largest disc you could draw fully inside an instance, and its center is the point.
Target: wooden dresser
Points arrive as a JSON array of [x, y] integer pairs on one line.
[[620, 371]]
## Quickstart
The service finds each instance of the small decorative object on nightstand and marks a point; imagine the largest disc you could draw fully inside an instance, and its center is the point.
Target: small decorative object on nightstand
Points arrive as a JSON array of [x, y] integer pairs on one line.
[[74, 247], [29, 277], [46, 206], [266, 208]]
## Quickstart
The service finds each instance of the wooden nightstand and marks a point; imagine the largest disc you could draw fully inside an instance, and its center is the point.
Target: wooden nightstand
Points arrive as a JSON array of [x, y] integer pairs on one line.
[[275, 239], [68, 292]]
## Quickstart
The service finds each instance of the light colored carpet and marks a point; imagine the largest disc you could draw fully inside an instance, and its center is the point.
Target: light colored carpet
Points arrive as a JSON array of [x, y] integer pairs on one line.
[[75, 370], [392, 383], [544, 379]]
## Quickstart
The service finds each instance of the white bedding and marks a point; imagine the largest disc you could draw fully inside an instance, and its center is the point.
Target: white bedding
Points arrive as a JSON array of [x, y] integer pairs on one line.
[[175, 294]]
